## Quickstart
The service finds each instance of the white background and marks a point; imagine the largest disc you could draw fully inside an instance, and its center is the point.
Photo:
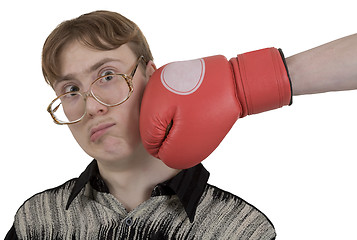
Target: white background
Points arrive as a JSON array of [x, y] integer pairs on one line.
[[296, 164]]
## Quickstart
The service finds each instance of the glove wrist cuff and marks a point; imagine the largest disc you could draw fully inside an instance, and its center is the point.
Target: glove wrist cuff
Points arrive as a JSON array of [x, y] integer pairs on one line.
[[262, 80]]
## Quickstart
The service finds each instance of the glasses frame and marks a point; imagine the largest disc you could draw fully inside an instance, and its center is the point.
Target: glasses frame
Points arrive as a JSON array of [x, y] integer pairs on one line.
[[89, 93]]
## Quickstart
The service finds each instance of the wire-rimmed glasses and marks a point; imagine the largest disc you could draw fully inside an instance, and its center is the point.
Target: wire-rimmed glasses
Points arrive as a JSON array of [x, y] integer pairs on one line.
[[110, 90]]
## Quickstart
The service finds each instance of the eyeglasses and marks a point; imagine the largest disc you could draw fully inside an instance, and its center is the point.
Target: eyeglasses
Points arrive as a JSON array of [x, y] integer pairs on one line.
[[110, 90]]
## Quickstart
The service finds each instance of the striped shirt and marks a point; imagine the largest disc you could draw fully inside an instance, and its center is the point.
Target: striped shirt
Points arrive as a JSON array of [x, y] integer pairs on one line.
[[184, 207]]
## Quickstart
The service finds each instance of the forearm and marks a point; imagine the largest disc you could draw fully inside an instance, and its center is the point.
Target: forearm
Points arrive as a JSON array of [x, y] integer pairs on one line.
[[329, 67]]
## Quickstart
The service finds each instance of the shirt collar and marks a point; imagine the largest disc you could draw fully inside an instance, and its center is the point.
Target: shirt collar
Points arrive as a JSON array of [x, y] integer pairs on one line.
[[89, 173], [188, 185]]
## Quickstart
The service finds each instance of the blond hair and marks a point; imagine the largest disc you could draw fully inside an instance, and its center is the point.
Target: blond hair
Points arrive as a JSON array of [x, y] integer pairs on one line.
[[101, 30]]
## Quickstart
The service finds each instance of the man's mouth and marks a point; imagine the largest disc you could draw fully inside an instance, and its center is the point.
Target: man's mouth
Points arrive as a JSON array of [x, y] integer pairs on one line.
[[98, 131]]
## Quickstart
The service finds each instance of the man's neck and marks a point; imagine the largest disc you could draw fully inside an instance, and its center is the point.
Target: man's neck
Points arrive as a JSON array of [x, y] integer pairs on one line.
[[133, 184]]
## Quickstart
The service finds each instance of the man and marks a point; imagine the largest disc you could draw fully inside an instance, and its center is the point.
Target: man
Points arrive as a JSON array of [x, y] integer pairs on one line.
[[125, 192]]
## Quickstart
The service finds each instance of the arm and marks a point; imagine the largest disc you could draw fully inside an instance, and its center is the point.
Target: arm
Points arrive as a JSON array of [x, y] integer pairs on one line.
[[329, 67]]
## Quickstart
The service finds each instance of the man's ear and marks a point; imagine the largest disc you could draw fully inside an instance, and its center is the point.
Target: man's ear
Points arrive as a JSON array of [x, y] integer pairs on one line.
[[150, 69]]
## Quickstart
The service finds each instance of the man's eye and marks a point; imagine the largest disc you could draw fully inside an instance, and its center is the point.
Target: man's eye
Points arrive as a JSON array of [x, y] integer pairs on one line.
[[71, 88], [107, 75], [107, 72]]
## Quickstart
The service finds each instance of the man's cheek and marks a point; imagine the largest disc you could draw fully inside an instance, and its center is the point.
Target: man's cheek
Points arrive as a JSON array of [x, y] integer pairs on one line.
[[78, 134]]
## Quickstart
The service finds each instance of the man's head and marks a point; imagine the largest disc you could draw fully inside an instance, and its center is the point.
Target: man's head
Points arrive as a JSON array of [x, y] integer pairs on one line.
[[87, 48], [100, 30]]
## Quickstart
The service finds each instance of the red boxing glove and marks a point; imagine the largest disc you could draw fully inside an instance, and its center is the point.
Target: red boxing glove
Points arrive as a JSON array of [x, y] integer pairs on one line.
[[188, 107]]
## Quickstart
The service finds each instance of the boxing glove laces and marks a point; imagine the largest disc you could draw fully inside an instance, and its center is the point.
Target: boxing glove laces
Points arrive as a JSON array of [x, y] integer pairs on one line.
[[188, 107]]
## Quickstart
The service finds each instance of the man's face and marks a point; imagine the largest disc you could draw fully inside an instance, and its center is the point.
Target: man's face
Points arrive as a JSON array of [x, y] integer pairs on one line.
[[105, 133]]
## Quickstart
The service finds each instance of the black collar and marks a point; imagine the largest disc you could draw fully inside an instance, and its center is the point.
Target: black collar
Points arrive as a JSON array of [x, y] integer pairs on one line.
[[188, 185]]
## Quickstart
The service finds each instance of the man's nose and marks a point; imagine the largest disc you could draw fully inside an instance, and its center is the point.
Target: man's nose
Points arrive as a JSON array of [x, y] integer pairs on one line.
[[95, 108]]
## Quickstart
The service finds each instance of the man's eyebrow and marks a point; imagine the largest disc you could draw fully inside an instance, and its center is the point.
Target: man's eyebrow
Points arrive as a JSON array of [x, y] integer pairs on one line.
[[101, 63], [89, 70]]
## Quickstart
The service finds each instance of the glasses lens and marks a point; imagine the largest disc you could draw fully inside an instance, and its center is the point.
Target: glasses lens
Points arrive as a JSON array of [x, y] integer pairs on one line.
[[111, 89], [69, 108]]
